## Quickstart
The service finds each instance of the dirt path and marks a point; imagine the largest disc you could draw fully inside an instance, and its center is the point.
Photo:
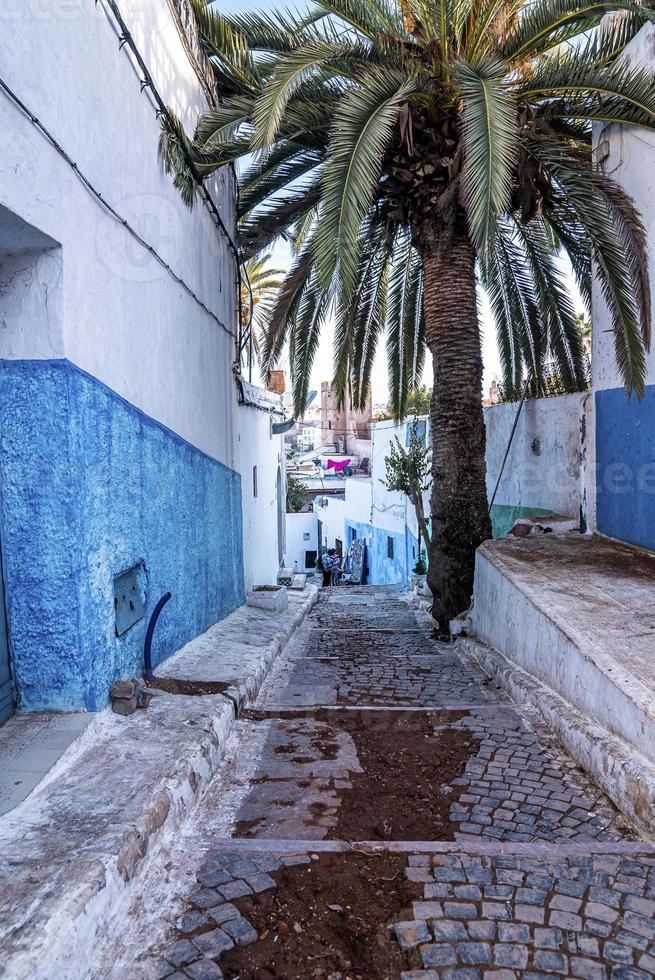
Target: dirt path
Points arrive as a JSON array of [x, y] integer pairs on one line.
[[386, 812]]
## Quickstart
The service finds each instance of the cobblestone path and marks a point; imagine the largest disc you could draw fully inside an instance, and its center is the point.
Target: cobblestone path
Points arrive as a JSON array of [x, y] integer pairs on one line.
[[538, 876]]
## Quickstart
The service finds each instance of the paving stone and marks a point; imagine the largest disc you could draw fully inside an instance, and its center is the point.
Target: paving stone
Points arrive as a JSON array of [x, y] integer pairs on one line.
[[223, 913], [203, 970], [232, 890], [531, 913], [449, 930], [481, 929], [551, 962], [565, 920], [587, 969], [158, 968], [191, 922], [181, 953], [410, 934], [241, 931], [427, 910], [210, 879], [438, 954], [261, 882], [511, 955], [213, 943], [617, 952], [474, 952], [206, 898], [459, 910]]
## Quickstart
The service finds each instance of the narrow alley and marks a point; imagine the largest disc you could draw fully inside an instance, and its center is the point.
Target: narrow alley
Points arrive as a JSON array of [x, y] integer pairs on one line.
[[384, 811]]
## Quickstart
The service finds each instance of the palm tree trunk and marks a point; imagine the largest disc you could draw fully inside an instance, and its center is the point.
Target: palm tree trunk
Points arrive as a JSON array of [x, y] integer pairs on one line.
[[459, 509]]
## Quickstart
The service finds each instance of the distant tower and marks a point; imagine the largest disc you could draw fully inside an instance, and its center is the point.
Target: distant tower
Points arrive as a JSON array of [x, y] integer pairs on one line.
[[342, 427]]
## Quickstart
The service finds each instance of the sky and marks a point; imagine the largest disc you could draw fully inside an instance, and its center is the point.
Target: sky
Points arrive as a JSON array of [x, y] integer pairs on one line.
[[322, 370]]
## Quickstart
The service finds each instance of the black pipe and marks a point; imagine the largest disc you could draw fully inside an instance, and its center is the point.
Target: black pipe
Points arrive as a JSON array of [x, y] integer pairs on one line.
[[511, 436], [147, 646]]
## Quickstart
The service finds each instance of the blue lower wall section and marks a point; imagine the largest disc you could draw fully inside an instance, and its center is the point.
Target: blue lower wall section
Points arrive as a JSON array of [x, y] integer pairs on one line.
[[383, 570], [91, 486], [625, 466]]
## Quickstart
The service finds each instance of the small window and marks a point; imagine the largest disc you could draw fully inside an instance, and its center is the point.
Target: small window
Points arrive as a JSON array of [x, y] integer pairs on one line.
[[254, 481], [306, 535], [389, 547], [329, 425]]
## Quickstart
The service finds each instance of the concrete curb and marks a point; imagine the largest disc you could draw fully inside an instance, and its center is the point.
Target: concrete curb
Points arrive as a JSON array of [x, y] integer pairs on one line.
[[53, 917], [626, 777]]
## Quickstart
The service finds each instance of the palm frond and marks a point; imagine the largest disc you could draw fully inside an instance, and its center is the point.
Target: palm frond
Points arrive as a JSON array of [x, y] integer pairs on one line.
[[548, 23], [291, 72], [619, 259], [363, 124], [489, 126]]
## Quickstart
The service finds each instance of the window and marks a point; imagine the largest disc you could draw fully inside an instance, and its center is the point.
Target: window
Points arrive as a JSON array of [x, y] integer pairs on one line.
[[329, 425], [254, 481], [389, 547], [306, 535]]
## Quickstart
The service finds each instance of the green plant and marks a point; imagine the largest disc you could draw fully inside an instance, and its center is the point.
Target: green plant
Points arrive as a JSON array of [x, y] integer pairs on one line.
[[296, 494], [408, 472], [421, 566], [406, 148]]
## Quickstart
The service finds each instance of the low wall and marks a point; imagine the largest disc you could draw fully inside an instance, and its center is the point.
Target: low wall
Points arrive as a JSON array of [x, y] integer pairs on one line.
[[542, 474]]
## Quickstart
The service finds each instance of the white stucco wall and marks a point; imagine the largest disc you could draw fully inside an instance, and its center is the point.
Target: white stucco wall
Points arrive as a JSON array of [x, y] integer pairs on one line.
[[549, 479], [392, 510], [358, 500], [297, 526], [627, 155], [123, 319], [257, 446], [331, 517]]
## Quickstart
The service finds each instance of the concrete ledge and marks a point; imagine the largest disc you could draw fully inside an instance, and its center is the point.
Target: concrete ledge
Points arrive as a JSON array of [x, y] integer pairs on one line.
[[626, 777], [577, 614], [72, 851]]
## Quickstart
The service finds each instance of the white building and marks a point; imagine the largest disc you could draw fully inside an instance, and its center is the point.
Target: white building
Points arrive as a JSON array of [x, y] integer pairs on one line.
[[127, 466]]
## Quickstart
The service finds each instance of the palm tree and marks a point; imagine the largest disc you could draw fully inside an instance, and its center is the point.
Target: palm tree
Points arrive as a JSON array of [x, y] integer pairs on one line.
[[260, 286], [405, 147]]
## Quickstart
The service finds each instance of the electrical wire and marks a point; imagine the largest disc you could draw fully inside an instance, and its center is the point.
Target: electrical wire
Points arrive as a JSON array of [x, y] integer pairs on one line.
[[126, 39], [95, 193]]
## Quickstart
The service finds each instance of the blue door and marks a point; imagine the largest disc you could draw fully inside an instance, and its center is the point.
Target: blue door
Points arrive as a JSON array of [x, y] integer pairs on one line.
[[6, 687]]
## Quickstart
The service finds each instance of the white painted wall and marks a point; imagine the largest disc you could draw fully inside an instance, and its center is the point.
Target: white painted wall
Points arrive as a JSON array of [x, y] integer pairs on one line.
[[123, 319], [550, 479], [297, 526], [391, 510], [627, 154], [257, 446], [332, 518], [358, 499]]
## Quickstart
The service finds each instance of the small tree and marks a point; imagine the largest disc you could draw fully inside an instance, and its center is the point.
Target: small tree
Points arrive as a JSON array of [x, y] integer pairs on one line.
[[418, 403], [296, 494], [408, 471]]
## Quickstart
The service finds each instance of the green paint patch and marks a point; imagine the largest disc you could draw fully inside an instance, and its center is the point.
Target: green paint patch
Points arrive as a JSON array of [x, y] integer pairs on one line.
[[505, 516]]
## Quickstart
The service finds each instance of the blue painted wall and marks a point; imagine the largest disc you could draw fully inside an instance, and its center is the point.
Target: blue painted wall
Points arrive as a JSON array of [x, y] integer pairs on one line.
[[383, 570], [91, 486], [625, 466]]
